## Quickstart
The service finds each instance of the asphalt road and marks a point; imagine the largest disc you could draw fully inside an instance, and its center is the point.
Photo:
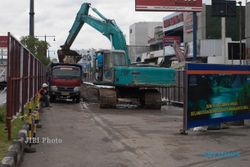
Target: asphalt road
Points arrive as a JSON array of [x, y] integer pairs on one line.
[[90, 137]]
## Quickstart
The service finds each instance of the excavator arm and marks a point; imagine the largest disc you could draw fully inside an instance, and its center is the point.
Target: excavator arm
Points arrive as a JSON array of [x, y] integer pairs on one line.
[[105, 26]]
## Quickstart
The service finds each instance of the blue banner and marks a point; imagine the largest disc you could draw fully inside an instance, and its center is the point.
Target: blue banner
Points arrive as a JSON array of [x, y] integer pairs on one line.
[[216, 94]]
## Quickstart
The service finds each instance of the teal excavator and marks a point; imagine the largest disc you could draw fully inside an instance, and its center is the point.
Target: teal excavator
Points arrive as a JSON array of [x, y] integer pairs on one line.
[[119, 78]]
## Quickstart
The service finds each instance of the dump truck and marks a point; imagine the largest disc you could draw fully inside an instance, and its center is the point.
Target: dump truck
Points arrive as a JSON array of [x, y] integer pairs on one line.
[[65, 81]]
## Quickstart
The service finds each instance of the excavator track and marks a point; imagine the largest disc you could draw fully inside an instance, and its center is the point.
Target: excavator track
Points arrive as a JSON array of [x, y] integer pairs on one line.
[[108, 98], [151, 99]]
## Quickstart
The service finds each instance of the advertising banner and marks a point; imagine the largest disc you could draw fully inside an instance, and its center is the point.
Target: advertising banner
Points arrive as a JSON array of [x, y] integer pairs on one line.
[[216, 94], [169, 40], [3, 41], [168, 5], [173, 21]]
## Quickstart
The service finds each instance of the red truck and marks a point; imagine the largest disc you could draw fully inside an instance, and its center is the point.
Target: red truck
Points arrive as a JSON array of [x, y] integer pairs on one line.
[[65, 81]]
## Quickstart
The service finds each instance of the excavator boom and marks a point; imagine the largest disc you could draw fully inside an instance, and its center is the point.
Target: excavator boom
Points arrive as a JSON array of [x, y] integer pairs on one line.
[[105, 26]]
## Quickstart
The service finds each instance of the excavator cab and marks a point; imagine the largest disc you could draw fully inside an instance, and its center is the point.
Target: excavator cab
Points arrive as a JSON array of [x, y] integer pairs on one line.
[[105, 62]]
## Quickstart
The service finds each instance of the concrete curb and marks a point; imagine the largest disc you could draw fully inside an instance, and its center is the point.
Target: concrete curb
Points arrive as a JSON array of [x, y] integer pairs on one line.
[[15, 153]]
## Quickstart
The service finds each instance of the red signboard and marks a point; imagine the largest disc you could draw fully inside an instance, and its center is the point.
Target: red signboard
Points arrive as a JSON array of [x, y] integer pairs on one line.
[[3, 41], [173, 20], [168, 5], [169, 40]]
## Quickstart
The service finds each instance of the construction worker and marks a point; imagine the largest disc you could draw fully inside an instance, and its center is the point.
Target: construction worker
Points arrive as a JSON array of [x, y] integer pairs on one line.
[[44, 97], [100, 65]]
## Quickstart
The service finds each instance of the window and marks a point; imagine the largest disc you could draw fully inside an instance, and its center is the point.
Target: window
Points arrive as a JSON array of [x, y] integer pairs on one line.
[[66, 73]]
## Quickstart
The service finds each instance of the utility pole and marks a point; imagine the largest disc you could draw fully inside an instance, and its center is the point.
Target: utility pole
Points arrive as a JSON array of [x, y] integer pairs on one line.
[[240, 52], [223, 39], [32, 13], [194, 36], [246, 33]]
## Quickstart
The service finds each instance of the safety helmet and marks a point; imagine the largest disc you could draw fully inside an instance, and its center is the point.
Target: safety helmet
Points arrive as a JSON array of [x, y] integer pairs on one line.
[[44, 85]]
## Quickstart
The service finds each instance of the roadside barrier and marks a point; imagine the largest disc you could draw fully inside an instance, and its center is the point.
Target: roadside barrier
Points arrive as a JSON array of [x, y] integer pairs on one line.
[[31, 129], [36, 112], [25, 74], [33, 122]]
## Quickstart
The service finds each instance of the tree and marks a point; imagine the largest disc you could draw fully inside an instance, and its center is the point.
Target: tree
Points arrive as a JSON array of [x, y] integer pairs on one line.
[[36, 47]]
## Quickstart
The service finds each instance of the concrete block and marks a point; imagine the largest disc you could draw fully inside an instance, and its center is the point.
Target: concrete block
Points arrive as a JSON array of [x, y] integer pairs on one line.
[[4, 165], [17, 147], [26, 127], [22, 134], [22, 142], [12, 154], [8, 162]]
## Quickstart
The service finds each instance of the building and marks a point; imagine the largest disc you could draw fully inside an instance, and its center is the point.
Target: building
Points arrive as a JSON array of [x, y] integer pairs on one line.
[[155, 53], [211, 48], [141, 32], [3, 49], [87, 60], [139, 35], [173, 26]]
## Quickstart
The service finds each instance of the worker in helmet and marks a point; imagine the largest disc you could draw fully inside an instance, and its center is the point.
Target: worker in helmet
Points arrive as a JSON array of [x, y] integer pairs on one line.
[[44, 97], [99, 59]]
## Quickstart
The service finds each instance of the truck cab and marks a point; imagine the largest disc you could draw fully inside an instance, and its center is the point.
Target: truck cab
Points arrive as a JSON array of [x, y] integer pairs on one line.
[[65, 81]]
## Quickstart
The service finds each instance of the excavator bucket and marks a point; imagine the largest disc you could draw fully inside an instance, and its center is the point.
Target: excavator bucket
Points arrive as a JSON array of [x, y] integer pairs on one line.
[[65, 55]]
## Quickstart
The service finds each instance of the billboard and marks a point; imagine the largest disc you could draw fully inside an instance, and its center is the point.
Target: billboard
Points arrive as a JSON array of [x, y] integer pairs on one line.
[[216, 94], [169, 40], [168, 5], [3, 41]]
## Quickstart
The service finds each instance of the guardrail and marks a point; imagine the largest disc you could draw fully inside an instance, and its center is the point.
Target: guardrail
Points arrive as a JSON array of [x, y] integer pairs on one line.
[[25, 74]]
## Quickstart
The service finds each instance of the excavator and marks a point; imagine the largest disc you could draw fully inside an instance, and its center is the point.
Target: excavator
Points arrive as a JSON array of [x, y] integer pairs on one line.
[[119, 78]]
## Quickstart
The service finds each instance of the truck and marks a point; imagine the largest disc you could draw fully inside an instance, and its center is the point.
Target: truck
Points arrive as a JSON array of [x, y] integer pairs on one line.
[[65, 81], [119, 78]]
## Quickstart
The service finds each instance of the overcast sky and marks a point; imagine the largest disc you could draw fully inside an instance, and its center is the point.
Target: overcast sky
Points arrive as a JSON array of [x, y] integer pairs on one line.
[[55, 17]]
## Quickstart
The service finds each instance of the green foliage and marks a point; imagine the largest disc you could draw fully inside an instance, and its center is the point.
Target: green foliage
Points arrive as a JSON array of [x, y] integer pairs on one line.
[[16, 125], [4, 143], [37, 47], [2, 114]]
